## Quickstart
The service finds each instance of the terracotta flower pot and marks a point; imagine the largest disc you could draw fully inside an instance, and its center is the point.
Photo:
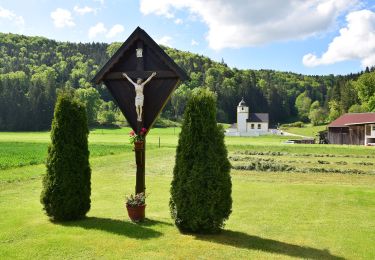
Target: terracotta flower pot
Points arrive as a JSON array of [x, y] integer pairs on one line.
[[136, 214]]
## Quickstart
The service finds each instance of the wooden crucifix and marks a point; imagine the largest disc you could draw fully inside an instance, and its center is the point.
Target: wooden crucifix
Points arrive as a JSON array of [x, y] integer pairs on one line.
[[141, 77], [139, 97]]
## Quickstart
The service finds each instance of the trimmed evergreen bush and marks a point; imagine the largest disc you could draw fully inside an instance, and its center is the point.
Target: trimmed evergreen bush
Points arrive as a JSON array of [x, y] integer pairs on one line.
[[66, 186], [201, 186]]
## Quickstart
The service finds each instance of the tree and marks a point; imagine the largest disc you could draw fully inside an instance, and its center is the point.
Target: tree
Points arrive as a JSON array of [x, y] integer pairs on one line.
[[356, 108], [90, 97], [179, 99], [365, 86], [66, 186], [213, 78], [201, 186], [302, 104], [334, 110], [112, 48], [315, 105], [371, 103], [42, 96], [348, 95], [107, 113], [14, 104], [317, 114]]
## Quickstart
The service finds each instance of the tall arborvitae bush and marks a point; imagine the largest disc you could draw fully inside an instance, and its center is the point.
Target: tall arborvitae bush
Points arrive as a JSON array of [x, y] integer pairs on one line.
[[67, 185], [201, 187]]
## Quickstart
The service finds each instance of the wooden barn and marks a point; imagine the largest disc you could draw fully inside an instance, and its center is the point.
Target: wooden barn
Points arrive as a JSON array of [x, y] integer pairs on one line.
[[353, 128]]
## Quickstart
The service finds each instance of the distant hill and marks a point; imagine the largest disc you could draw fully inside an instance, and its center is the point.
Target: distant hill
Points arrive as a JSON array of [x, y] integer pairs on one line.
[[33, 68]]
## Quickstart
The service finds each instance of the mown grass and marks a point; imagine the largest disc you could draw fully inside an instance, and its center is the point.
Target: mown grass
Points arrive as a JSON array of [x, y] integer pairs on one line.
[[22, 149], [308, 130], [275, 214], [16, 154], [114, 136], [303, 162]]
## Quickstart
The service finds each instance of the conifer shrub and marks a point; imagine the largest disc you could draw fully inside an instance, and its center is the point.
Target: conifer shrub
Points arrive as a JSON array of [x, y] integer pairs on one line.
[[66, 186], [201, 187]]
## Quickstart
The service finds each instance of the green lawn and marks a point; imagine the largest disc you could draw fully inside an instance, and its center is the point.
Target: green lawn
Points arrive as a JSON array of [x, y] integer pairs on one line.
[[22, 149], [307, 130], [275, 214]]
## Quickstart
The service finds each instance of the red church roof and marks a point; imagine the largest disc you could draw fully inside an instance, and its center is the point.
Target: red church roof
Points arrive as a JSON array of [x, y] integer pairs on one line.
[[353, 119]]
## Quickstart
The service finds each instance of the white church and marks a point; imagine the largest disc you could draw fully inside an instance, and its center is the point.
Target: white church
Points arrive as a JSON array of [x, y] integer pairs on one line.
[[248, 124]]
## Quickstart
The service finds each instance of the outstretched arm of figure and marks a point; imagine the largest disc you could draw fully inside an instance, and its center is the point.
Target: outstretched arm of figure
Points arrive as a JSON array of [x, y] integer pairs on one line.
[[126, 76], [149, 78]]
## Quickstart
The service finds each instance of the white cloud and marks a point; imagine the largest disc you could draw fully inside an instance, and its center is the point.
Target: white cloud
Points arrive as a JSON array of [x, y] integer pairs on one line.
[[100, 29], [239, 23], [162, 7], [115, 30], [178, 21], [165, 40], [356, 41], [96, 30], [84, 10], [194, 42], [62, 18], [11, 17]]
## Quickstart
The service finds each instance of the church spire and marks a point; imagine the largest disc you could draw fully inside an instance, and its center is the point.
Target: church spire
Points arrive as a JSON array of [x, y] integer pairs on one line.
[[242, 103]]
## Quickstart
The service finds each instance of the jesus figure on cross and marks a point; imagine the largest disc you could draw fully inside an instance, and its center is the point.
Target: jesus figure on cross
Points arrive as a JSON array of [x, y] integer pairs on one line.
[[139, 97]]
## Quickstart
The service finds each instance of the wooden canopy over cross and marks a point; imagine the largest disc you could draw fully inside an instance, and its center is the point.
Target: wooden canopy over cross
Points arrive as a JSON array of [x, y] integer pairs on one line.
[[138, 57]]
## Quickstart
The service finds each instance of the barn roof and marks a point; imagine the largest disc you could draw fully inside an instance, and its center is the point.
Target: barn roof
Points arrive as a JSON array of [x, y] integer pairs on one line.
[[258, 117], [139, 34], [353, 119]]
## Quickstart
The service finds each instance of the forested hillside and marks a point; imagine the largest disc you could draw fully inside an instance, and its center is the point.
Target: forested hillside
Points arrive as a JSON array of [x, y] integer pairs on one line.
[[33, 69]]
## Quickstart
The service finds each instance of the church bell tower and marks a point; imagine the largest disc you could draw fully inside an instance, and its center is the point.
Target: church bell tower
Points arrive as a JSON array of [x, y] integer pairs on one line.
[[242, 116]]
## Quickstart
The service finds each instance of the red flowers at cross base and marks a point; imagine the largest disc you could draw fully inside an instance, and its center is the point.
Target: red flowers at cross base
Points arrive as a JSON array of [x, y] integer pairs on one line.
[[133, 137], [143, 131]]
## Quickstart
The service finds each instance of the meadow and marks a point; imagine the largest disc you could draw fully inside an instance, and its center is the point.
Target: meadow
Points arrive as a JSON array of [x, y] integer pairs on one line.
[[289, 200], [307, 130]]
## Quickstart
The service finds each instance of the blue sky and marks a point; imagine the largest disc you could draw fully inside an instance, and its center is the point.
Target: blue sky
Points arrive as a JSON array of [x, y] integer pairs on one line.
[[309, 37]]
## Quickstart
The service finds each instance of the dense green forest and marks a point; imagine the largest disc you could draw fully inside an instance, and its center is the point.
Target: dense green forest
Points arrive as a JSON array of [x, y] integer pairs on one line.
[[34, 69]]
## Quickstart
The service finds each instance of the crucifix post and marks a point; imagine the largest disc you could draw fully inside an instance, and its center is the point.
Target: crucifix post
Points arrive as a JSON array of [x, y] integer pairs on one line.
[[140, 174], [140, 154]]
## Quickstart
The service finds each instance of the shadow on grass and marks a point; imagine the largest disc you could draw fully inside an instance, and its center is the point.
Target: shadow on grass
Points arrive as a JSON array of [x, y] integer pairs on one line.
[[243, 240], [118, 227]]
